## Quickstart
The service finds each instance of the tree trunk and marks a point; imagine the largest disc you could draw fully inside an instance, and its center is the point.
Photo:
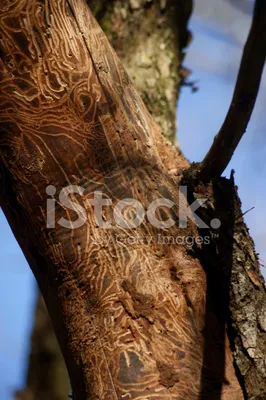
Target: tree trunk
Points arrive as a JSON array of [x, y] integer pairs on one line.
[[129, 306], [149, 39], [47, 376]]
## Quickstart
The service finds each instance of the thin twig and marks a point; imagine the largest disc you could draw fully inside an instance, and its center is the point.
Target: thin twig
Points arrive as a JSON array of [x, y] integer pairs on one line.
[[244, 98], [250, 209]]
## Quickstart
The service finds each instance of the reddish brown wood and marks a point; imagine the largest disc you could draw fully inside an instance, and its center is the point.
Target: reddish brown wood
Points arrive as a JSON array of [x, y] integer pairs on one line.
[[129, 317]]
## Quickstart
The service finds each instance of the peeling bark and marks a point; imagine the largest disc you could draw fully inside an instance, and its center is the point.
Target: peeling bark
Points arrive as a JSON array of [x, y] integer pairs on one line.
[[129, 30], [235, 287]]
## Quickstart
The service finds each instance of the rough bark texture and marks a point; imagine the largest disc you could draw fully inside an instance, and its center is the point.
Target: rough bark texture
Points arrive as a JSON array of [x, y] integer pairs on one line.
[[149, 37], [248, 312], [156, 32], [235, 286], [136, 315]]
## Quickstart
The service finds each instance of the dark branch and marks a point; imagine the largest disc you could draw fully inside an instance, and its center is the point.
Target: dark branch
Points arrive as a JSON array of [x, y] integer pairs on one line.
[[244, 98]]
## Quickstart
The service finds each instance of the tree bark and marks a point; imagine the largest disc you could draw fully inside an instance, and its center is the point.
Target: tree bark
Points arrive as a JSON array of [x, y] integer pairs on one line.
[[130, 311], [47, 376], [235, 286], [149, 39]]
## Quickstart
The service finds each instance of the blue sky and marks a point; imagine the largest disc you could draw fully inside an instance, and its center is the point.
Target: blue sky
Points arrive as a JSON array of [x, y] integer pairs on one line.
[[17, 300], [219, 30]]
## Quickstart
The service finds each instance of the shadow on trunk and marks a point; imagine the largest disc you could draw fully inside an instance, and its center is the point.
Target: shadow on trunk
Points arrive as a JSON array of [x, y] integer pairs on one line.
[[216, 258], [229, 259]]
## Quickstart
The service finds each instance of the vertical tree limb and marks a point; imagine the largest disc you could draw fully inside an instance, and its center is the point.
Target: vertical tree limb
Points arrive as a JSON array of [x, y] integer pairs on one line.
[[149, 41], [149, 38]]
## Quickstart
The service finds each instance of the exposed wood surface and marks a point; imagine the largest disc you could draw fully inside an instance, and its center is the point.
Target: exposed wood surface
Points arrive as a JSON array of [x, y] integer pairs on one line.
[[129, 313], [149, 41]]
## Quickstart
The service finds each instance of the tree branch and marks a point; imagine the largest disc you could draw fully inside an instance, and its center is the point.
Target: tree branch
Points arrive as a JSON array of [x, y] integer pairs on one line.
[[244, 98]]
